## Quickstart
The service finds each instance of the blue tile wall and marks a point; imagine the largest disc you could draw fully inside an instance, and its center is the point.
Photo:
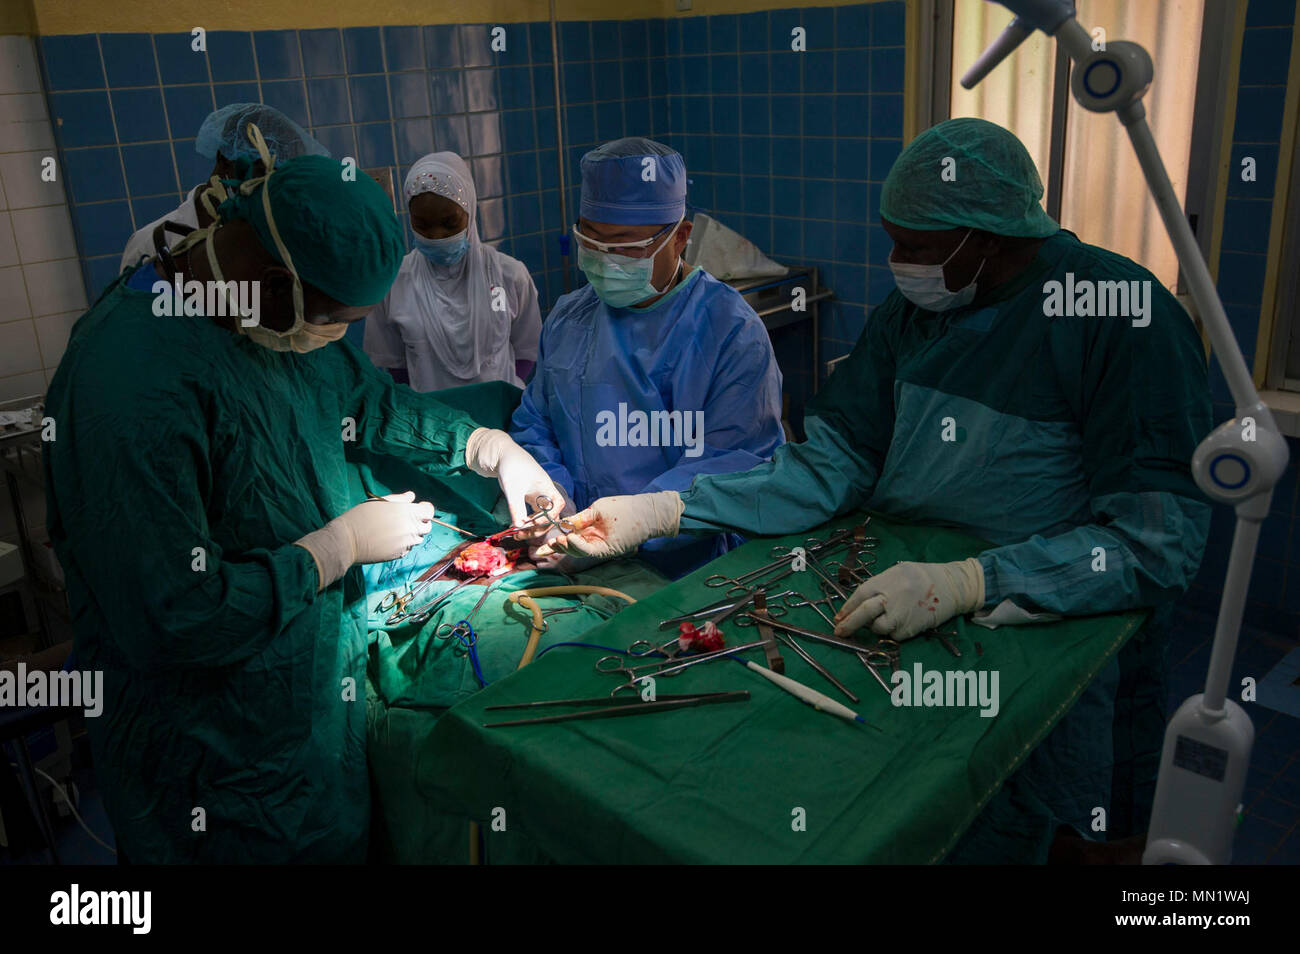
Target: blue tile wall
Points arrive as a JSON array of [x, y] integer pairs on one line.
[[761, 126], [785, 146], [1273, 602], [128, 107]]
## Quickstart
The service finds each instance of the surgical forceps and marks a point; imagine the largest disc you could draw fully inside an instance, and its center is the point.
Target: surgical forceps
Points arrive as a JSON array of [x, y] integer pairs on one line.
[[812, 544], [775, 610], [784, 558], [441, 523], [643, 648], [463, 630], [886, 652], [851, 570], [564, 525], [401, 616], [398, 604], [664, 667], [558, 611], [803, 601], [718, 611]]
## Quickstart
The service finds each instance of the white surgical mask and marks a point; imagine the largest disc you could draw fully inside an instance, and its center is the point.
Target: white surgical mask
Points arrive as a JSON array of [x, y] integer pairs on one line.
[[925, 287], [307, 338]]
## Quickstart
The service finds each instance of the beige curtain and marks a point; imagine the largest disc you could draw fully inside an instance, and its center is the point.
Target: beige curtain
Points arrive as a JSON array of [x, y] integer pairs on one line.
[[1104, 198]]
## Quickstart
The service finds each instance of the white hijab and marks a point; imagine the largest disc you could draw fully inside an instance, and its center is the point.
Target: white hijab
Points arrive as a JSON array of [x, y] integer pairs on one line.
[[455, 301]]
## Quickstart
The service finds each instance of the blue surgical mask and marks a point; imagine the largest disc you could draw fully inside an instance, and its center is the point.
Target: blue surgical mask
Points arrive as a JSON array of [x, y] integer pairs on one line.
[[443, 251], [620, 280]]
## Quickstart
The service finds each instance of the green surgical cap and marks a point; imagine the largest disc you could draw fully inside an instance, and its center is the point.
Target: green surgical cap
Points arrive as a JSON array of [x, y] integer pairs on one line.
[[340, 231], [992, 186]]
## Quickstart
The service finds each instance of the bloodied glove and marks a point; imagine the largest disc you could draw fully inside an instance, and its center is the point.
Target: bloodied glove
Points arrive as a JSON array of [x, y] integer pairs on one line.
[[910, 598]]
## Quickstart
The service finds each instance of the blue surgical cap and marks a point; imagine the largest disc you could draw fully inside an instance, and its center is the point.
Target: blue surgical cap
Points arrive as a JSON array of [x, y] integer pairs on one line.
[[618, 188], [224, 131]]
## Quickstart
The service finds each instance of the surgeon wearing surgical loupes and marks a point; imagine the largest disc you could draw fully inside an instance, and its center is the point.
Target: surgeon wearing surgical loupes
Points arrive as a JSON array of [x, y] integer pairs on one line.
[[199, 503], [649, 334], [1073, 436]]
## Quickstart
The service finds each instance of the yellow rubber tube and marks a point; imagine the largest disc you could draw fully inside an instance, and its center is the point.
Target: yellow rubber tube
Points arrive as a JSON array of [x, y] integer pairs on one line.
[[526, 599]]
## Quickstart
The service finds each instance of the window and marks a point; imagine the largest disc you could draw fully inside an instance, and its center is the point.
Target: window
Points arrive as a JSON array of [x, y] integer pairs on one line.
[[1094, 185]]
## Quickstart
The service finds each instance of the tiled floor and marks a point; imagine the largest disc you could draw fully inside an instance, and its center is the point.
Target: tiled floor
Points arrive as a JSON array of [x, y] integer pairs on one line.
[[1270, 830], [1269, 834]]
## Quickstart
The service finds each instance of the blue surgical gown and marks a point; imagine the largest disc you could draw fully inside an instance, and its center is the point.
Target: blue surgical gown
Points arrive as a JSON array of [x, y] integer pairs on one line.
[[1049, 436], [701, 349]]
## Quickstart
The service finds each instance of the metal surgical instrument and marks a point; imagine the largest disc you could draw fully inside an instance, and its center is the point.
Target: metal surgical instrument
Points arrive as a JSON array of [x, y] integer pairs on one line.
[[463, 630], [803, 601], [822, 670], [636, 674], [717, 612], [785, 557], [862, 652], [544, 509], [401, 616], [398, 604], [643, 647], [607, 708], [888, 649]]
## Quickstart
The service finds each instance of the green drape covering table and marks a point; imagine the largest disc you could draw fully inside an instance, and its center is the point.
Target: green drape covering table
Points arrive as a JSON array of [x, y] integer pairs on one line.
[[767, 781]]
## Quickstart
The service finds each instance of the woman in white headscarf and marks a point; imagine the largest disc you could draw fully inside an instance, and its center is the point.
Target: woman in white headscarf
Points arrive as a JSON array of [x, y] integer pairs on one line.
[[460, 311]]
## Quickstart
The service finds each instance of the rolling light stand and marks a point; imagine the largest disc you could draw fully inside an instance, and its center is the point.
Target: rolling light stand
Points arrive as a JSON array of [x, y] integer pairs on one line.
[[1209, 739]]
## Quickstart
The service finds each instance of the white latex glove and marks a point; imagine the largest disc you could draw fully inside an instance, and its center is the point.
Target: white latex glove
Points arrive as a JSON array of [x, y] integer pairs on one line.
[[492, 453], [911, 598], [371, 532], [613, 526]]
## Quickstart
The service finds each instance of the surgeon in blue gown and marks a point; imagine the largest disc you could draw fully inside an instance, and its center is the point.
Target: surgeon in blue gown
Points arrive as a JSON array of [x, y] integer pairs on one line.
[[648, 334]]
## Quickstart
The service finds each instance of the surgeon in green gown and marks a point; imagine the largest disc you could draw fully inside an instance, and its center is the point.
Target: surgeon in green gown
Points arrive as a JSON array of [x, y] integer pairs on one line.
[[199, 506], [977, 399]]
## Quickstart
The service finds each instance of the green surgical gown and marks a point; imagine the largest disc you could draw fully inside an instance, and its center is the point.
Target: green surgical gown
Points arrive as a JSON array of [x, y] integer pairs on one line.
[[1057, 438], [186, 462]]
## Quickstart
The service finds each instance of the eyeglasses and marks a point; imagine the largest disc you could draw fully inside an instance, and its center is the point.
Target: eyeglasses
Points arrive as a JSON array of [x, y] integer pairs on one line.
[[629, 248]]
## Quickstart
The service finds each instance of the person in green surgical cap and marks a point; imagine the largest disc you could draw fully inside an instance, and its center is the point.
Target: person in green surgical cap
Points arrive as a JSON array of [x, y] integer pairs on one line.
[[200, 508], [970, 401]]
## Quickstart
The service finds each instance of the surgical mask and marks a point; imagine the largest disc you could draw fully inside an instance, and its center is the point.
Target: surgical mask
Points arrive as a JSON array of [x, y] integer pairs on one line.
[[925, 287], [307, 338], [620, 280], [443, 251]]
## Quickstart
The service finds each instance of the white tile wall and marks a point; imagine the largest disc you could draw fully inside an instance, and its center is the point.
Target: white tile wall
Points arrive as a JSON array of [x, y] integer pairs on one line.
[[18, 70], [41, 288]]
